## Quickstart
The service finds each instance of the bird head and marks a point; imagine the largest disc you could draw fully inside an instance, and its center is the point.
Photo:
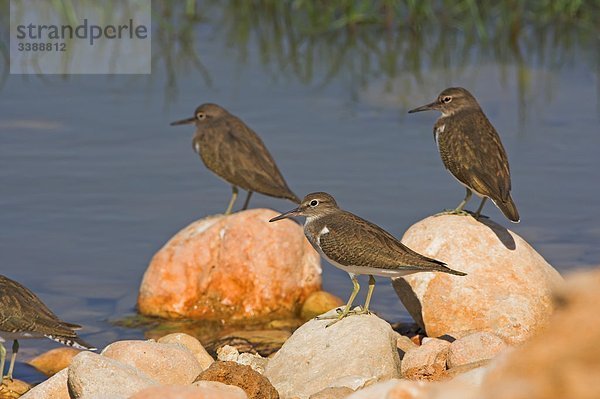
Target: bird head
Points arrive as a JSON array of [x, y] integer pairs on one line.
[[314, 205], [203, 114], [450, 101]]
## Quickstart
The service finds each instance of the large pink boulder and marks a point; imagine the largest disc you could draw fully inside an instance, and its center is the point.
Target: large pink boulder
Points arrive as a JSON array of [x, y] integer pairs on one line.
[[507, 290], [563, 361], [232, 267]]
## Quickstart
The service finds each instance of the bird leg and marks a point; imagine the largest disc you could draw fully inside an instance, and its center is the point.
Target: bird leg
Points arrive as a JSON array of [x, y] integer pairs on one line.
[[365, 310], [2, 360], [462, 204], [346, 311], [247, 201], [234, 194], [459, 210], [478, 213], [13, 357]]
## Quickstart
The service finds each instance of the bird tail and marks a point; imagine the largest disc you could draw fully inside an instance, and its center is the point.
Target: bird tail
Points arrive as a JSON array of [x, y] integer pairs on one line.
[[509, 209], [446, 269], [74, 342], [434, 265], [441, 267]]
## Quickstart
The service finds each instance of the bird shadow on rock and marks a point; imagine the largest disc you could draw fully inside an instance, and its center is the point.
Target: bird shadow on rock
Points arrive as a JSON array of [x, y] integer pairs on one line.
[[410, 300], [501, 232]]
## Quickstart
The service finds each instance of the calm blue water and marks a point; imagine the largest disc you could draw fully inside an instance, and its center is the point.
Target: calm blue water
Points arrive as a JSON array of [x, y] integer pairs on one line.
[[93, 180]]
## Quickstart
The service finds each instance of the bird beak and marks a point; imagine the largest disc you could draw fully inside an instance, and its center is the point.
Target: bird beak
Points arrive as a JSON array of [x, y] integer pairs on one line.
[[288, 214], [184, 121], [426, 107]]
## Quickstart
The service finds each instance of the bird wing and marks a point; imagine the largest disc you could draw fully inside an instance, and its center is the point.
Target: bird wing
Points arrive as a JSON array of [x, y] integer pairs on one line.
[[353, 241], [245, 160], [476, 156], [22, 311]]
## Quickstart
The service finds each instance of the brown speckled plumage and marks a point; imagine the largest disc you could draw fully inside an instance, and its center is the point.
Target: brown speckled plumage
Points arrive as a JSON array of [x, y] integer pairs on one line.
[[233, 151], [471, 149], [351, 241], [22, 312]]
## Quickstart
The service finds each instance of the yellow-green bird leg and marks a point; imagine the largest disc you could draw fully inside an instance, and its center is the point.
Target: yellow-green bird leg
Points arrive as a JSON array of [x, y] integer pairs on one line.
[[346, 311], [247, 202], [2, 360], [478, 213], [365, 310], [234, 194]]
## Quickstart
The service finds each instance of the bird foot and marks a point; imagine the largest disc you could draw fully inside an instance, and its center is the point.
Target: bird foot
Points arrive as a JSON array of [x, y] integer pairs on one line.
[[5, 382], [339, 315], [458, 212], [361, 311]]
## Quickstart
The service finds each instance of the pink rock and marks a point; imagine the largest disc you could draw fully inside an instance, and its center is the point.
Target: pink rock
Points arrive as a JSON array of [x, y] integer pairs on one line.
[[54, 387], [405, 389], [164, 363], [319, 302], [426, 362], [404, 344], [214, 391], [332, 393], [94, 376], [473, 348], [232, 267], [507, 290], [564, 360], [187, 341], [54, 360], [392, 389]]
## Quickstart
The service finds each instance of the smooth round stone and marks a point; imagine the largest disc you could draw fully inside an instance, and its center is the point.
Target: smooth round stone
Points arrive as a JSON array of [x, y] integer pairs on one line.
[[507, 290], [233, 267]]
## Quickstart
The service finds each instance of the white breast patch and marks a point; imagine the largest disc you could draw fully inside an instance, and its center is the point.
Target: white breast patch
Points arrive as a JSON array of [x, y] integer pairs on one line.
[[324, 230], [440, 129]]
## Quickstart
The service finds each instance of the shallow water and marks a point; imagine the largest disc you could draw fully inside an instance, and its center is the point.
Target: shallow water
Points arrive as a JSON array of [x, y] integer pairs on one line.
[[93, 180]]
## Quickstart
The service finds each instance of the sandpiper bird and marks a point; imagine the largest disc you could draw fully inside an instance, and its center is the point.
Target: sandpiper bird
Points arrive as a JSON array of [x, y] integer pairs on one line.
[[24, 315], [471, 150], [358, 246], [234, 152]]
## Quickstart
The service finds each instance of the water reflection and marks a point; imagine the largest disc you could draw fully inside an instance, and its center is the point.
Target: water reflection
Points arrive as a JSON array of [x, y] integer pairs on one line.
[[294, 43], [414, 46]]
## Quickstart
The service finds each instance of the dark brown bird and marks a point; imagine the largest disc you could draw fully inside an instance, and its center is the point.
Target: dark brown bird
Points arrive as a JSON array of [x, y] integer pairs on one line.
[[471, 150], [24, 315], [234, 152], [358, 246]]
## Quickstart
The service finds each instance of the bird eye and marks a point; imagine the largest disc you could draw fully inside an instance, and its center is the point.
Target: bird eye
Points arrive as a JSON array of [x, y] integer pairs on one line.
[[314, 203], [200, 115], [447, 99]]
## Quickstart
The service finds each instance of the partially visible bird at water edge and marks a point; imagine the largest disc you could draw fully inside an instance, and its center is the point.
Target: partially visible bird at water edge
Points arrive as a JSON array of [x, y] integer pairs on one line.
[[471, 151], [23, 315], [234, 152], [358, 246]]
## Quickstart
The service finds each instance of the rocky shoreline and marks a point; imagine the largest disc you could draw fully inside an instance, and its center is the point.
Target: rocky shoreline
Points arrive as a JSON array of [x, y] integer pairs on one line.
[[500, 332]]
